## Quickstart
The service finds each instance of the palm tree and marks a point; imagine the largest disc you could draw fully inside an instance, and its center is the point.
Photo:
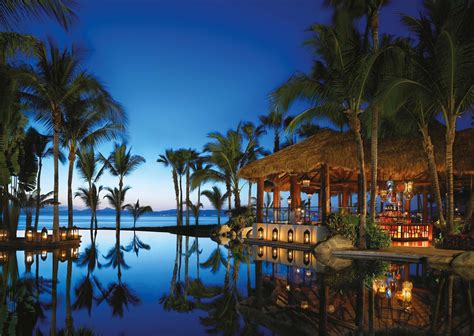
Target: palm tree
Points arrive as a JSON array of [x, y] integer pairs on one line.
[[188, 157], [274, 121], [50, 87], [200, 174], [88, 122], [217, 200], [169, 159], [90, 173], [28, 202], [121, 163], [116, 198], [13, 11], [137, 211], [337, 86], [195, 211], [443, 72]]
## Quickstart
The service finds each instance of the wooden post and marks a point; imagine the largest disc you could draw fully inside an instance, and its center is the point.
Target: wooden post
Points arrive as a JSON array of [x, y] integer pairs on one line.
[[260, 190], [325, 192], [425, 207], [345, 198], [408, 206], [276, 204], [295, 192]]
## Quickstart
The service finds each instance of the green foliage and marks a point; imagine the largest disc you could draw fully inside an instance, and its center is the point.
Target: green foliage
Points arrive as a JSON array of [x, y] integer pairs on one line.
[[347, 226], [240, 218]]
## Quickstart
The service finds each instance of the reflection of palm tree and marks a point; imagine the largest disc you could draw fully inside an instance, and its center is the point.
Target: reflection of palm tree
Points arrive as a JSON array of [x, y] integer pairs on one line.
[[136, 244], [54, 293], [69, 320], [118, 295], [215, 260]]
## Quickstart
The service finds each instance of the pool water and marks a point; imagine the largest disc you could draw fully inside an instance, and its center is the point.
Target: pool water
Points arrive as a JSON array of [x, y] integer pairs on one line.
[[147, 283]]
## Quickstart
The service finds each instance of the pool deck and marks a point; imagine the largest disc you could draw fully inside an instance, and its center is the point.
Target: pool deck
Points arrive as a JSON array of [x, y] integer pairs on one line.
[[402, 253]]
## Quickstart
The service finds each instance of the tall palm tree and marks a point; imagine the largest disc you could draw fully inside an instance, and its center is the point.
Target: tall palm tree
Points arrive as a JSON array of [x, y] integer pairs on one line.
[[116, 199], [337, 86], [169, 159], [121, 163], [90, 172], [274, 121], [217, 200], [195, 211], [88, 122], [53, 84], [188, 156], [29, 201], [137, 211], [200, 174]]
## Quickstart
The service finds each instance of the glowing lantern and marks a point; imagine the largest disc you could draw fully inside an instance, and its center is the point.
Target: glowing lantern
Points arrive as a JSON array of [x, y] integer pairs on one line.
[[44, 255], [62, 255], [3, 235], [274, 253], [275, 234], [260, 233], [29, 258], [75, 232], [63, 233], [44, 234], [308, 273], [29, 235], [304, 304], [290, 236], [407, 287], [74, 252], [3, 256], [288, 288], [290, 255], [306, 237], [305, 181], [260, 251]]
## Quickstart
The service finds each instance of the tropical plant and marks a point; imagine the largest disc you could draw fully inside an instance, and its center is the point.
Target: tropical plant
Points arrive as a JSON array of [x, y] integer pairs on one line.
[[53, 84], [88, 122], [188, 156], [200, 174], [116, 199], [217, 200], [170, 159], [121, 163], [28, 202], [195, 211], [137, 211], [91, 198], [274, 121]]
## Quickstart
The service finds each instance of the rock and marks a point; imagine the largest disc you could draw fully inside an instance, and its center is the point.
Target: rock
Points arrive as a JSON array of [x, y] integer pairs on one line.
[[467, 273], [334, 263], [337, 242], [439, 262], [465, 259]]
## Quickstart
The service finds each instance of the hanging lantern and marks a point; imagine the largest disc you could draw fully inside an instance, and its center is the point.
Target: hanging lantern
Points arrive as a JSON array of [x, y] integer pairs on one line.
[[3, 235], [44, 235], [63, 233], [389, 185], [290, 255], [75, 232], [305, 180], [400, 187], [29, 235], [408, 192], [3, 256]]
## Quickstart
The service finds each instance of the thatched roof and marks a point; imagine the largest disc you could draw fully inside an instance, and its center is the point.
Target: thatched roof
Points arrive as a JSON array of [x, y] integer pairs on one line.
[[399, 159]]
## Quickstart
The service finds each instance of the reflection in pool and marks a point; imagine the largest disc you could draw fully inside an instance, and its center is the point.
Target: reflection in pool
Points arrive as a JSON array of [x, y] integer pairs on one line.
[[137, 283]]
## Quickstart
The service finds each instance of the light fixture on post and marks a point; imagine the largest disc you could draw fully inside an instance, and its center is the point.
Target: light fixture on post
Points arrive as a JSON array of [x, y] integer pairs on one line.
[[63, 233], [75, 232], [310, 196], [44, 235], [407, 287], [3, 234], [29, 235], [305, 181]]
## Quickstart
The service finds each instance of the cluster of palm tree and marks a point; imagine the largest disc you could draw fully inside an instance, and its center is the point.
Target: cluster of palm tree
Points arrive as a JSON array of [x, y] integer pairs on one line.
[[220, 161], [71, 103], [373, 84]]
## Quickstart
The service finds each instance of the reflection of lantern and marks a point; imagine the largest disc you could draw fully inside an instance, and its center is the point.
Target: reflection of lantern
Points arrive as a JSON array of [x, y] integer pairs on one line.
[[74, 252], [3, 235], [388, 292], [29, 235], [63, 233], [408, 192], [331, 309], [407, 286], [308, 273], [290, 255], [260, 233], [304, 304], [260, 251], [75, 232], [62, 255], [306, 258], [44, 234], [3, 256], [275, 234], [306, 237], [288, 288], [44, 255], [290, 236], [289, 200], [274, 253], [29, 258]]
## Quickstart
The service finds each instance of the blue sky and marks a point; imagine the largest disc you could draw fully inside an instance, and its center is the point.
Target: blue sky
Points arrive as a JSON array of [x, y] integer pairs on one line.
[[184, 68]]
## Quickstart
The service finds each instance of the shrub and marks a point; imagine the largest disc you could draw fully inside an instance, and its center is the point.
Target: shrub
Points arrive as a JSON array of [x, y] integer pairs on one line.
[[347, 226], [240, 218], [457, 242]]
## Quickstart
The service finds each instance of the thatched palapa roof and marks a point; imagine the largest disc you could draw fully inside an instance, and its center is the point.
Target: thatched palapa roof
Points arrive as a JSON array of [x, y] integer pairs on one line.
[[398, 159]]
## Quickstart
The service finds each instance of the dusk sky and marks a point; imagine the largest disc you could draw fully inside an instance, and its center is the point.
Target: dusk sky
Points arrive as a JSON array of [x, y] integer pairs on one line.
[[184, 68]]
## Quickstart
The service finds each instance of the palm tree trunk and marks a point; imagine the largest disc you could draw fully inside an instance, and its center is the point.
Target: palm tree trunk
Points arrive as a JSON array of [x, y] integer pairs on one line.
[[236, 193], [374, 161], [218, 216], [229, 194], [429, 150], [250, 196], [450, 134], [57, 127], [175, 270], [71, 158], [38, 192], [187, 195], [199, 204], [119, 205], [69, 320], [450, 304], [176, 191], [276, 141], [468, 227], [54, 293], [180, 214], [356, 128]]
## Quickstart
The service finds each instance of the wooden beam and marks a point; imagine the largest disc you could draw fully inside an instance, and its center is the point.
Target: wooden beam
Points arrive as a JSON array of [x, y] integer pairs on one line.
[[325, 192], [260, 190]]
